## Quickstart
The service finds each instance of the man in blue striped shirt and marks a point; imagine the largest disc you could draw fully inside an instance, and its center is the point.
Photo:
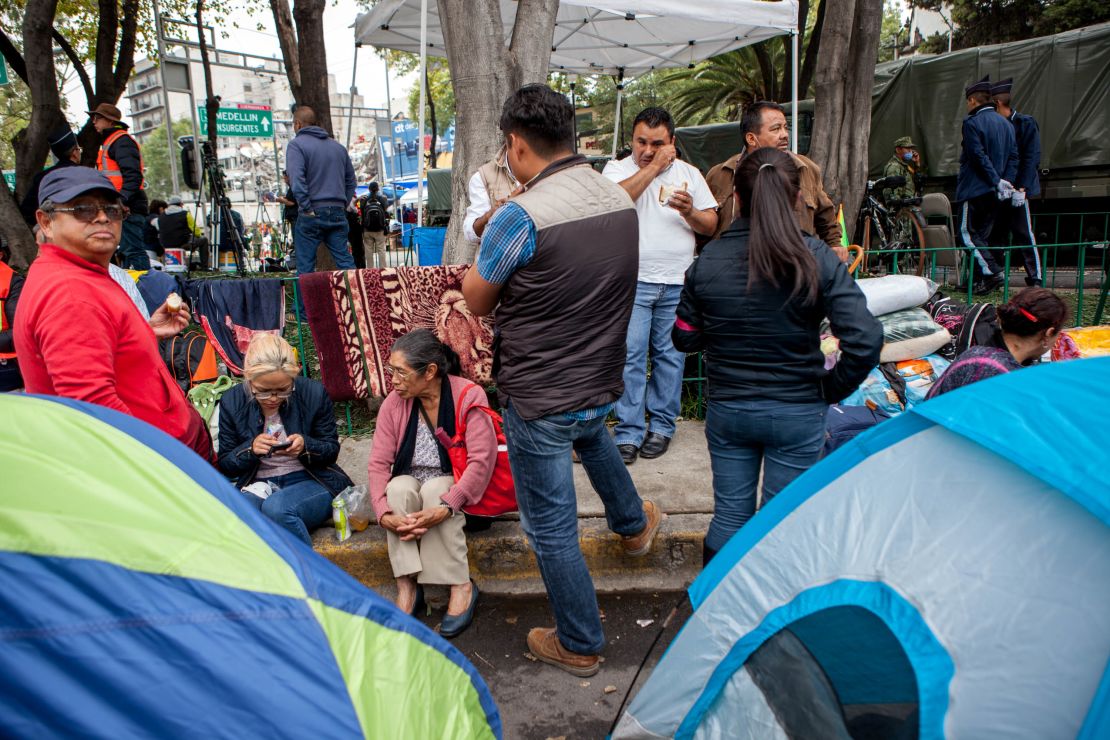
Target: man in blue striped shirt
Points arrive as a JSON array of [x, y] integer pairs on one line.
[[559, 263]]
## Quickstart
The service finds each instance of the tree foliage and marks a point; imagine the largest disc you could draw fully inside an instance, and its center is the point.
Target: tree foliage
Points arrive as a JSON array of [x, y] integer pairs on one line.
[[156, 158], [440, 94], [983, 22]]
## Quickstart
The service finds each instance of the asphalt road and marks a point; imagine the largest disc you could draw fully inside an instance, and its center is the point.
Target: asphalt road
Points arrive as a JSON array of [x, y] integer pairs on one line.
[[538, 701]]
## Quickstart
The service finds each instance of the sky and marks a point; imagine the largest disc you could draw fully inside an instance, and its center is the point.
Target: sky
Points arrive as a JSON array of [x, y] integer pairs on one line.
[[338, 37]]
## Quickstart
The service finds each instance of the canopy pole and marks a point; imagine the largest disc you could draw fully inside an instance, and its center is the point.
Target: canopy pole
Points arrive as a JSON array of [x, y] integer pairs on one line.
[[394, 159], [794, 89], [617, 118], [423, 101], [574, 107], [351, 109]]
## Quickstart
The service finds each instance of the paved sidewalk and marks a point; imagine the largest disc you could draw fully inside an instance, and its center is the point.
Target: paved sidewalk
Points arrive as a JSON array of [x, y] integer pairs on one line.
[[502, 562]]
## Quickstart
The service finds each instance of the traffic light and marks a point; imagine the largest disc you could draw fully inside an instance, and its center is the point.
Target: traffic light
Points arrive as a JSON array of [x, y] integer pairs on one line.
[[189, 162]]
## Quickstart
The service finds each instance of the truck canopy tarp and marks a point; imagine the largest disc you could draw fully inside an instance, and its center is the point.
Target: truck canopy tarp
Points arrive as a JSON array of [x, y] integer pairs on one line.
[[1063, 81]]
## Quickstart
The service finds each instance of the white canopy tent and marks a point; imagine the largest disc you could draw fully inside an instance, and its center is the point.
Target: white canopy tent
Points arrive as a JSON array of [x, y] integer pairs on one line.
[[625, 38]]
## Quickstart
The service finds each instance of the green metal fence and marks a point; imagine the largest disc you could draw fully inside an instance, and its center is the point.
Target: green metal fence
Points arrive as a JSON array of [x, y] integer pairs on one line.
[[1069, 269], [1076, 270]]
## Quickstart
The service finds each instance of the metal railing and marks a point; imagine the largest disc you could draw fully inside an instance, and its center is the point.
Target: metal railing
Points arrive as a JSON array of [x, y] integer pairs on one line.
[[1069, 277], [1073, 283]]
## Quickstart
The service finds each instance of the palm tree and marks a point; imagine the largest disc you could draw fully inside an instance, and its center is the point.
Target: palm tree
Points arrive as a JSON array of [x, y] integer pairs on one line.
[[718, 89]]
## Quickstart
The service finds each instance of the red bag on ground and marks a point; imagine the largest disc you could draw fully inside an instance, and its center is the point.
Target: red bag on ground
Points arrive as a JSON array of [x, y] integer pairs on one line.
[[500, 495]]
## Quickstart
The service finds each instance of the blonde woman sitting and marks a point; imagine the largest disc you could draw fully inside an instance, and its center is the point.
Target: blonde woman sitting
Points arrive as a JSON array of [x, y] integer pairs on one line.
[[415, 497], [279, 427]]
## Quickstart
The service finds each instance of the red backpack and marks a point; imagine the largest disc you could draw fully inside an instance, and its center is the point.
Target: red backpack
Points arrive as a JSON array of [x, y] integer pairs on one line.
[[500, 495]]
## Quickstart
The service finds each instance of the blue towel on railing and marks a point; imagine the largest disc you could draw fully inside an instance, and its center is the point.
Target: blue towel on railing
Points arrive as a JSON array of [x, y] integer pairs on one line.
[[234, 310]]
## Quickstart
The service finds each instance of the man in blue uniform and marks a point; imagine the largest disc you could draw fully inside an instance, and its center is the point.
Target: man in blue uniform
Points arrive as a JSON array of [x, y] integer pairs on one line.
[[1014, 221], [988, 166]]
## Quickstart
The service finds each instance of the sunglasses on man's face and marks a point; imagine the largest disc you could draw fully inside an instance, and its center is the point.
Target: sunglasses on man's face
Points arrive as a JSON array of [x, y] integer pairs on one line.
[[87, 212]]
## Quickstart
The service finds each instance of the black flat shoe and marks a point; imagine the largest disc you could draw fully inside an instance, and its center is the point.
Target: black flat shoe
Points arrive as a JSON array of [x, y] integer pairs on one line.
[[419, 607], [454, 625], [654, 446], [628, 453]]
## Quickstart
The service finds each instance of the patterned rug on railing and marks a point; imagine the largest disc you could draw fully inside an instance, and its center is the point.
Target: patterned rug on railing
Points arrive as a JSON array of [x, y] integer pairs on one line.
[[356, 315]]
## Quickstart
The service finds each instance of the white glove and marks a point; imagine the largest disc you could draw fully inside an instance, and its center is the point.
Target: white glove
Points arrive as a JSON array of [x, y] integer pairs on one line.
[[1005, 190], [1018, 199]]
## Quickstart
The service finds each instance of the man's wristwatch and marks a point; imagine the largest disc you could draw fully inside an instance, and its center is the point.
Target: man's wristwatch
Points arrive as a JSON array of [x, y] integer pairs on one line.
[[447, 506]]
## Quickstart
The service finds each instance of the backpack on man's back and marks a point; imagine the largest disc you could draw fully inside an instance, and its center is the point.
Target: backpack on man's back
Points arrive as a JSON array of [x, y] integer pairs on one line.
[[372, 213]]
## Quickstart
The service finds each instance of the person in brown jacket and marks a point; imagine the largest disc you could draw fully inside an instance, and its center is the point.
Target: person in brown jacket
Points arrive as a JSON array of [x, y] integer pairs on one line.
[[764, 124]]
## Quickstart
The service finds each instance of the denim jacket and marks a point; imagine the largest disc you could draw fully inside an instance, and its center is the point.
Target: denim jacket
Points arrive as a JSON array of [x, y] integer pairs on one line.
[[308, 412]]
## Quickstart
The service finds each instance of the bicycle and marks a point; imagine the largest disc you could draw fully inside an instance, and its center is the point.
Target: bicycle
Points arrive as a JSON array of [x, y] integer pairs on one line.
[[892, 229]]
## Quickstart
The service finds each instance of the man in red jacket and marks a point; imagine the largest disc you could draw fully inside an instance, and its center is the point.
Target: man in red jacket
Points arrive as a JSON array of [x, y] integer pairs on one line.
[[79, 334]]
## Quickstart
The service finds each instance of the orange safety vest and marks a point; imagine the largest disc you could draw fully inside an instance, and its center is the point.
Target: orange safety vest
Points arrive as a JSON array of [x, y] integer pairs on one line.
[[110, 167], [5, 286]]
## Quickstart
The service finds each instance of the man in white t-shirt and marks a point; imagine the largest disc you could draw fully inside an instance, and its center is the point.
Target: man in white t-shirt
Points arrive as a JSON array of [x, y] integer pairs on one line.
[[673, 203]]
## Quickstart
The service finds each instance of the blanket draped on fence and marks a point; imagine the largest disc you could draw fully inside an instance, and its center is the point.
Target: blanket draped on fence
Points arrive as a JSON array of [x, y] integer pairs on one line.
[[356, 315], [233, 311]]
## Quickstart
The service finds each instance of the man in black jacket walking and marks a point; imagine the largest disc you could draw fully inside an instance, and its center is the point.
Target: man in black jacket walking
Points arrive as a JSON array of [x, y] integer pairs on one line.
[[63, 144], [121, 161]]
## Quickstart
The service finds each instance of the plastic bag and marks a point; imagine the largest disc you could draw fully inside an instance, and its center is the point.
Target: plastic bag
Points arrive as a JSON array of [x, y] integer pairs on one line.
[[914, 379], [910, 334], [895, 292], [359, 511], [1074, 344]]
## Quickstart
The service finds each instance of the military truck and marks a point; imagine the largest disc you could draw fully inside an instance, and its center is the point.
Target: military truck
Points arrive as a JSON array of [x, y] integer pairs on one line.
[[1062, 80]]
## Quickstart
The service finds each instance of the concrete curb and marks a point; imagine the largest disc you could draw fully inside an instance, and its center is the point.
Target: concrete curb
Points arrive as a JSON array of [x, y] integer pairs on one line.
[[501, 561]]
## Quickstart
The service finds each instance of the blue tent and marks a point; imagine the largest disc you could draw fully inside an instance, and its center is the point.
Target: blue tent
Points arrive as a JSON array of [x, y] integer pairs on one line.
[[946, 574], [140, 596]]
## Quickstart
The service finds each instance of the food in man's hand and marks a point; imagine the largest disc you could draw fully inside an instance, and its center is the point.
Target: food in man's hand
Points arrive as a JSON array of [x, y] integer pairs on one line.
[[666, 191], [173, 303]]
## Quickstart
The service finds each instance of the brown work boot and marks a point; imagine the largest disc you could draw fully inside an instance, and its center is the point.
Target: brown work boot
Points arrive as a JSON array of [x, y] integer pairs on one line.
[[640, 543], [545, 645]]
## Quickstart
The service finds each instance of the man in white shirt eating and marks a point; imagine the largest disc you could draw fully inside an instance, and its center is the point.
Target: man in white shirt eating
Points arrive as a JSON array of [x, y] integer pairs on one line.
[[673, 203]]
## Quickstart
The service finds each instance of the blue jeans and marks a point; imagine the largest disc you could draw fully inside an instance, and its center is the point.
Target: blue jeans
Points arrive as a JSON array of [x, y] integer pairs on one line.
[[785, 438], [132, 250], [652, 319], [539, 453], [300, 504], [329, 226]]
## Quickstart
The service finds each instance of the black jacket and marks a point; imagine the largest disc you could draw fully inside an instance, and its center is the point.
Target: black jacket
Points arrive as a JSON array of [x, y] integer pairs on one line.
[[764, 343], [125, 150], [30, 202], [308, 412]]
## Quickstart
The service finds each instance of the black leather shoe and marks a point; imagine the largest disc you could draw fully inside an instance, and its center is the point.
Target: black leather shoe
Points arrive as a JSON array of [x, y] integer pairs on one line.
[[989, 284], [628, 453], [654, 445], [453, 625]]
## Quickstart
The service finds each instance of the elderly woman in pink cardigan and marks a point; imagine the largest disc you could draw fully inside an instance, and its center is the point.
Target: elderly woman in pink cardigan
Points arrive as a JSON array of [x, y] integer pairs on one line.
[[415, 497]]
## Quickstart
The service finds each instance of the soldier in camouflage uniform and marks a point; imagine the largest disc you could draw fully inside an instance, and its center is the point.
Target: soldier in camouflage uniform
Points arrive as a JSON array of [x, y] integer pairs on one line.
[[906, 163]]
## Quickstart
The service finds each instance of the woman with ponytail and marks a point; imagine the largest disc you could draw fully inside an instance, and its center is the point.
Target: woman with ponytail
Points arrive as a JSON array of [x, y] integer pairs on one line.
[[1031, 320], [415, 497], [754, 301]]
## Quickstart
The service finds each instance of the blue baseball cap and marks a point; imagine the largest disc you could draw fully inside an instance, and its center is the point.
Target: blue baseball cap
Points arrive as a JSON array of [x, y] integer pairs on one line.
[[66, 183]]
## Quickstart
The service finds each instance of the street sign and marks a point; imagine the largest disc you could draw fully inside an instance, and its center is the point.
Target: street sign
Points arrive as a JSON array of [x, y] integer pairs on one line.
[[244, 120], [3, 71], [9, 177]]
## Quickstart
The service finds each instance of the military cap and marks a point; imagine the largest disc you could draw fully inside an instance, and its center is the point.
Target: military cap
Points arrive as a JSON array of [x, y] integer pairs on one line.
[[983, 85], [906, 142], [1002, 86]]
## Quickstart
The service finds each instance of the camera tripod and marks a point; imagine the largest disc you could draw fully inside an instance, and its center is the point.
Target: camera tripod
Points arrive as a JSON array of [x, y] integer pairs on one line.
[[221, 210]]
